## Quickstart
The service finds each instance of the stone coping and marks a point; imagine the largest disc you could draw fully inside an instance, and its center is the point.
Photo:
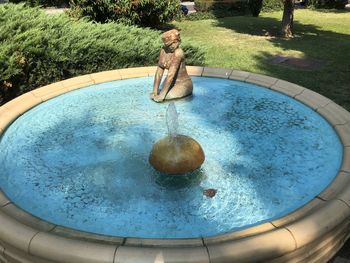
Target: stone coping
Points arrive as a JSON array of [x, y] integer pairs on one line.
[[297, 233]]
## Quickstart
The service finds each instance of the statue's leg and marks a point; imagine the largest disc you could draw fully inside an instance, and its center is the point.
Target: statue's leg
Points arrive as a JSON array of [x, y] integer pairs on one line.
[[181, 89]]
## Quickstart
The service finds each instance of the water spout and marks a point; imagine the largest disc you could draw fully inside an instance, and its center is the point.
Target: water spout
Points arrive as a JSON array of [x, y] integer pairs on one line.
[[172, 120]]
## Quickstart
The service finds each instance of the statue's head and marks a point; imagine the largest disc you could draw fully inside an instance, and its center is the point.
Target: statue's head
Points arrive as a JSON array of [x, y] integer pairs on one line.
[[171, 39]]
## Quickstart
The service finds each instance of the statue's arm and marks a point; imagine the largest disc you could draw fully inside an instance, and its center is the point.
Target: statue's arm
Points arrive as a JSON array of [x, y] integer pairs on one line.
[[159, 74], [172, 73], [157, 79]]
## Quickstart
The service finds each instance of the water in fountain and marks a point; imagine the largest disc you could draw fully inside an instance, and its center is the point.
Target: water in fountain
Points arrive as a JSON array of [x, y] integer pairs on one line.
[[81, 159]]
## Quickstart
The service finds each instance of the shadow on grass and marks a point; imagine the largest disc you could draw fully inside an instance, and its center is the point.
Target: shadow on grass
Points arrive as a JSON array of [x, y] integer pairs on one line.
[[335, 11], [332, 49]]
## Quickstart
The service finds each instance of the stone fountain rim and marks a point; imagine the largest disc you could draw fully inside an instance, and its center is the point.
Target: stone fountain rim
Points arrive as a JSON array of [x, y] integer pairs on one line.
[[309, 228]]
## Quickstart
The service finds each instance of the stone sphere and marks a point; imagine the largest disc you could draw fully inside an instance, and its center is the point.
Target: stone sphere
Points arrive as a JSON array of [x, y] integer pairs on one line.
[[176, 155]]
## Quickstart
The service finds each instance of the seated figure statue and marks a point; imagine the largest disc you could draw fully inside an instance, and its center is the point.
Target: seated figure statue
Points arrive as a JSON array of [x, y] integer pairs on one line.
[[177, 83]]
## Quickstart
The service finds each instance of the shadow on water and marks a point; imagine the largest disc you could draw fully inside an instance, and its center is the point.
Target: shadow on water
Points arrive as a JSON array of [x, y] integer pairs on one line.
[[84, 179], [179, 181]]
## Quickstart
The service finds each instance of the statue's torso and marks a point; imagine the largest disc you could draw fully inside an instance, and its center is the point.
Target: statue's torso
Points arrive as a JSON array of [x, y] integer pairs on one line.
[[165, 59], [181, 84]]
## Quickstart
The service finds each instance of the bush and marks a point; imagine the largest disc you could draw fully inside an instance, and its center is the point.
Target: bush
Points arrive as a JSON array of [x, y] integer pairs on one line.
[[272, 5], [328, 4], [46, 3], [255, 7], [36, 49], [221, 8], [95, 10], [148, 13], [199, 16]]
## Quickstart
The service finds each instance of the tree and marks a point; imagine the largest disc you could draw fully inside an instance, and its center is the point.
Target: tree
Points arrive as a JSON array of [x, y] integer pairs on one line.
[[287, 20]]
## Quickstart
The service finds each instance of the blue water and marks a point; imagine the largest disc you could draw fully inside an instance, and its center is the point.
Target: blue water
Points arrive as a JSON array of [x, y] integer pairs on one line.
[[81, 160]]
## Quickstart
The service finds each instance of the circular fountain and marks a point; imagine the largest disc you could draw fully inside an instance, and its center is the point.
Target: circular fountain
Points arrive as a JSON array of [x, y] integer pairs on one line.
[[77, 185]]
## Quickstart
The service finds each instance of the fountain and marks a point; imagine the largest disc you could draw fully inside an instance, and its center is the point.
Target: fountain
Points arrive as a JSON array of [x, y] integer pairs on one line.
[[174, 154], [76, 183]]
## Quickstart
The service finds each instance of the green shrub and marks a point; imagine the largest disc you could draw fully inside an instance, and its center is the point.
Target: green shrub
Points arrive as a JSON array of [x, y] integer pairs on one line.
[[255, 7], [58, 3], [203, 6], [36, 49], [272, 5], [221, 8], [328, 4], [199, 16], [95, 10], [148, 13]]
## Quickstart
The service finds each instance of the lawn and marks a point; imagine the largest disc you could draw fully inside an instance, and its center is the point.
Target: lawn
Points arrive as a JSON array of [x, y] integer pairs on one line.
[[246, 43]]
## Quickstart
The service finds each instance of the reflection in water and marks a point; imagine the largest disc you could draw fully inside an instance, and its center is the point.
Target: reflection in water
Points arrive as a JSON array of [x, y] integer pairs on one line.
[[175, 182]]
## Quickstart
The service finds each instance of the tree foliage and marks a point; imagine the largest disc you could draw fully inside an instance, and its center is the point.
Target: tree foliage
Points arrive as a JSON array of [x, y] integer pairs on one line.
[[221, 8], [148, 13], [272, 5], [44, 3]]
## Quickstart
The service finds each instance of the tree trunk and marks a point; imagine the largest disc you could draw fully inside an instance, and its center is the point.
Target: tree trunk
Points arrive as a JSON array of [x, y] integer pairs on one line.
[[287, 20]]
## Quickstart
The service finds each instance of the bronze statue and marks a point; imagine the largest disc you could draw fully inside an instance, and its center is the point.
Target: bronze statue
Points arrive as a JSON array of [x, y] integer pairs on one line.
[[177, 83]]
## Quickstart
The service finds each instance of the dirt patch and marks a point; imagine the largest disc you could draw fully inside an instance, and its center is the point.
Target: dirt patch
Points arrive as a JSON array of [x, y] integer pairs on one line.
[[295, 62]]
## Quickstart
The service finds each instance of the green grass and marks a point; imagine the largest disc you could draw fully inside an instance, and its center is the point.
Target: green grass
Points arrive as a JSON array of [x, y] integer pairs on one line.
[[244, 43]]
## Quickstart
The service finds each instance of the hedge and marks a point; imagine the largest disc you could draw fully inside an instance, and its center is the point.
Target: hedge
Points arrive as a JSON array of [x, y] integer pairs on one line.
[[147, 13], [45, 3], [328, 4], [221, 8], [199, 16], [272, 5], [36, 49]]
